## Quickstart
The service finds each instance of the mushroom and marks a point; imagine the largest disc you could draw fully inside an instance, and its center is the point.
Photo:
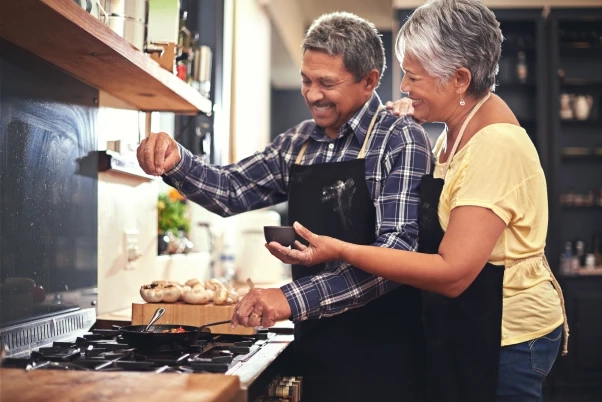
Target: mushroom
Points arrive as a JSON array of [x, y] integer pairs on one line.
[[171, 293], [152, 293], [196, 295], [192, 282], [233, 297], [221, 296]]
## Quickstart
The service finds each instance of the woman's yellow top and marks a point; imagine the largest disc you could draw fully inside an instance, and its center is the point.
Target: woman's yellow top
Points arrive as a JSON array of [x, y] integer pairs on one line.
[[499, 169]]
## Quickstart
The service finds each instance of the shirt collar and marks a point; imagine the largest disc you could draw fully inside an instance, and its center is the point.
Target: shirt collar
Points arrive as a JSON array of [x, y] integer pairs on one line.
[[358, 123]]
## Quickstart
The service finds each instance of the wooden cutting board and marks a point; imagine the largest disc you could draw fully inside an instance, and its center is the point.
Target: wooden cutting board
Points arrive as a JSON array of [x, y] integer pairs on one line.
[[189, 314], [62, 385]]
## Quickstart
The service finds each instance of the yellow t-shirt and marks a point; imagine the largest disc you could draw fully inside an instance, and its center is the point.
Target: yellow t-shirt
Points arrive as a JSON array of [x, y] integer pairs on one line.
[[499, 169]]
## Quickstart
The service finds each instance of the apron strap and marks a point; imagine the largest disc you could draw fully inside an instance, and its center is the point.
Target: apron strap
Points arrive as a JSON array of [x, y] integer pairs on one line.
[[457, 142], [368, 133], [362, 150], [565, 324], [301, 152]]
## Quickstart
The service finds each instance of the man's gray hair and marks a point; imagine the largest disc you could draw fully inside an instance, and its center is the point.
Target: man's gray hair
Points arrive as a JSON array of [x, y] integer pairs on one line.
[[444, 35], [346, 34]]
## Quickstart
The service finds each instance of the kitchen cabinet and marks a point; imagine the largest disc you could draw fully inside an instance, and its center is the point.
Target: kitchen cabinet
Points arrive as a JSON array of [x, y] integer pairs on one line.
[[575, 94], [582, 367], [65, 35]]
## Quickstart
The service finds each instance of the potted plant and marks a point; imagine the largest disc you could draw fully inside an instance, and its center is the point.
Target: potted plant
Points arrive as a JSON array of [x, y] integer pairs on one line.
[[173, 223]]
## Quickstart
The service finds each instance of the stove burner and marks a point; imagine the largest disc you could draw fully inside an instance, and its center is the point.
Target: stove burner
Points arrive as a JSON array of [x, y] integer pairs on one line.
[[105, 350]]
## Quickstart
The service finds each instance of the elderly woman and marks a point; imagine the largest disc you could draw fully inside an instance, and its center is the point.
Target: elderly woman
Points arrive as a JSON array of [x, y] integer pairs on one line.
[[493, 311]]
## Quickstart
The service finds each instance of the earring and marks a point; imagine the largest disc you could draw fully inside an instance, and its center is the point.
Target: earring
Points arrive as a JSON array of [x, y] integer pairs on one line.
[[462, 103]]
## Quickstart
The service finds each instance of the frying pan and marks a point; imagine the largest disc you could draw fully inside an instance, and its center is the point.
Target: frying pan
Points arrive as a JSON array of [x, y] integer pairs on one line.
[[137, 336]]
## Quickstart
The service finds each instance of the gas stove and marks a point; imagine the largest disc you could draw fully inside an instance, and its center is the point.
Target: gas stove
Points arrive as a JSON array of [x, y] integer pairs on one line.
[[105, 350]]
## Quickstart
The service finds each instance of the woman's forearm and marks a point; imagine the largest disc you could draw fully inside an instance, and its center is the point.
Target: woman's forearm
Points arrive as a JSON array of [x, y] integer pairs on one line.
[[424, 271]]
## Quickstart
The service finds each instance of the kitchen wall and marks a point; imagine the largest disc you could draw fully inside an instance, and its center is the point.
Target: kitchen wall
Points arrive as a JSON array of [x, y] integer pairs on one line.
[[129, 204]]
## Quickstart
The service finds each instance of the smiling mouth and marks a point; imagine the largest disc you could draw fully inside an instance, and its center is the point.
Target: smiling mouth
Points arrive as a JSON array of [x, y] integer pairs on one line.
[[415, 102], [321, 108]]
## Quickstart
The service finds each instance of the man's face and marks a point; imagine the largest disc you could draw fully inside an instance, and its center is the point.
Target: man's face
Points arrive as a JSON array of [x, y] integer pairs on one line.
[[330, 91]]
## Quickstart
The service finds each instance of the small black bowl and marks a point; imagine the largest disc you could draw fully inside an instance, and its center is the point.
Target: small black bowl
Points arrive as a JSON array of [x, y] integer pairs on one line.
[[284, 235]]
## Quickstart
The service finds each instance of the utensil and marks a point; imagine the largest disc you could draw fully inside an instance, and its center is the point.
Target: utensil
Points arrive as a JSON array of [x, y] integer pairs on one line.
[[136, 337], [158, 314]]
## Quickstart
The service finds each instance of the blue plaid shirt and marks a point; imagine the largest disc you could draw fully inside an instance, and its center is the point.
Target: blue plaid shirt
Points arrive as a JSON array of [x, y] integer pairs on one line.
[[397, 155]]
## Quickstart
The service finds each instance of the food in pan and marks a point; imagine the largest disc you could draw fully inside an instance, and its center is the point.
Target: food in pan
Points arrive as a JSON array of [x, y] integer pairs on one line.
[[173, 330]]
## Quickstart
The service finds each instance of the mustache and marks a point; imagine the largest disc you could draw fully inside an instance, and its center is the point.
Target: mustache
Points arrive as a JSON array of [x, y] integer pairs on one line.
[[321, 104]]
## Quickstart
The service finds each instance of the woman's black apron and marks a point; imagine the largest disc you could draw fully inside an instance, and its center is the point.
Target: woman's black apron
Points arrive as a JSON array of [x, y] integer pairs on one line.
[[370, 353], [463, 334]]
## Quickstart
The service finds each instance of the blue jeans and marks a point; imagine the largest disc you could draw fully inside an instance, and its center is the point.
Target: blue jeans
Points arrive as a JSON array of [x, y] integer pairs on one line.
[[524, 367]]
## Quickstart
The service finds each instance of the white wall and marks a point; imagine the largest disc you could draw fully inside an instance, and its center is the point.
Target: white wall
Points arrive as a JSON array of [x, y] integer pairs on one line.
[[127, 203], [250, 107]]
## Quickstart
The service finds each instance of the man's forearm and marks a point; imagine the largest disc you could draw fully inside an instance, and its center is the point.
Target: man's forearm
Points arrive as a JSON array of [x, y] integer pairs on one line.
[[224, 190], [332, 293]]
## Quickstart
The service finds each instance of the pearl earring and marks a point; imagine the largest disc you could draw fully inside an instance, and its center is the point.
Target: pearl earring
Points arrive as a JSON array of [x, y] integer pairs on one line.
[[462, 103]]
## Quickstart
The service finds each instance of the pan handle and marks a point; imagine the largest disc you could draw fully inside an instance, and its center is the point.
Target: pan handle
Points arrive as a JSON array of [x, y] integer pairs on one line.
[[198, 333]]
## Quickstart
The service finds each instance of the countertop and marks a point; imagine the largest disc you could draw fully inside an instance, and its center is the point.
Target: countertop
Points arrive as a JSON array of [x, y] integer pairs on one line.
[[58, 385]]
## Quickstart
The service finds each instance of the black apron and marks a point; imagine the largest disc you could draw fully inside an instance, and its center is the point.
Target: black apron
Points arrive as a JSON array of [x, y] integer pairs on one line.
[[463, 334], [370, 353]]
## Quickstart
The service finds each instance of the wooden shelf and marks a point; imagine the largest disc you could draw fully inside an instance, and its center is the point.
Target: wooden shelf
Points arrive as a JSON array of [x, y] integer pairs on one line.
[[110, 161], [65, 35]]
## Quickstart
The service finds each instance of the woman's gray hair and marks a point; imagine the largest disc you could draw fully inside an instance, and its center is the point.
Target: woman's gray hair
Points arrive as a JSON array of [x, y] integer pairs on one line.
[[444, 35], [346, 34]]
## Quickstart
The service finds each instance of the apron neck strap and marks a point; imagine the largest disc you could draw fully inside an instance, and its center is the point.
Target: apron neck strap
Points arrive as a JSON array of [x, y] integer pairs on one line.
[[459, 138], [362, 150], [301, 152], [368, 133]]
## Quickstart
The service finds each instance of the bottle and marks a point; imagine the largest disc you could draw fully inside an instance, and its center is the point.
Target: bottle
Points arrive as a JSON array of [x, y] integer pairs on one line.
[[521, 68], [566, 259], [580, 252], [184, 43]]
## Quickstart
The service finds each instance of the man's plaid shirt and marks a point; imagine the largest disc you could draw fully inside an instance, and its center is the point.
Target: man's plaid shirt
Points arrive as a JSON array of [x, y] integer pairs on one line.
[[397, 155]]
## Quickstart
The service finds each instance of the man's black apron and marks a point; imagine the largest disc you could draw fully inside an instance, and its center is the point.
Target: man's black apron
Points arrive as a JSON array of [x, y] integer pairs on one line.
[[370, 353], [463, 334]]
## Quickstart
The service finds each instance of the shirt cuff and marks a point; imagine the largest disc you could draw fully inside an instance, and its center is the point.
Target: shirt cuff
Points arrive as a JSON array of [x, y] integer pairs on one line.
[[304, 299], [178, 172]]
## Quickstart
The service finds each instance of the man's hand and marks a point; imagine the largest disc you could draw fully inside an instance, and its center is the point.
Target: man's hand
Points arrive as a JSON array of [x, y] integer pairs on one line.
[[321, 249], [261, 307], [158, 153]]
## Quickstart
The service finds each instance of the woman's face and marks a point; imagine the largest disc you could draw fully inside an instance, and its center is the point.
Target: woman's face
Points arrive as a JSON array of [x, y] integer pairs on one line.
[[432, 101]]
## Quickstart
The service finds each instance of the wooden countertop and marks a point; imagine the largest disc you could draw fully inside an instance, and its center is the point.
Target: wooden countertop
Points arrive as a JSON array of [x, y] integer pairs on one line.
[[57, 385]]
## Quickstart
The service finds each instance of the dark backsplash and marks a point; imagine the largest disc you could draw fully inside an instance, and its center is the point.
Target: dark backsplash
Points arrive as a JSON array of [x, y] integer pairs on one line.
[[48, 211]]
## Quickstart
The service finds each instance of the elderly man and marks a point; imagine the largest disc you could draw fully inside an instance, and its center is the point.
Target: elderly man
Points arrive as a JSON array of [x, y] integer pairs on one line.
[[351, 172]]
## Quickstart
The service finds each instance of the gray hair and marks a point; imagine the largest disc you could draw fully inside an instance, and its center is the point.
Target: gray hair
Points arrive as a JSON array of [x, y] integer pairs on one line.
[[346, 34], [444, 35]]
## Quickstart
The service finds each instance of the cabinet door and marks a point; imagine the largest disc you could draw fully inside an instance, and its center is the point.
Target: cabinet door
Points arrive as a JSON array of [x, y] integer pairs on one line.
[[584, 310]]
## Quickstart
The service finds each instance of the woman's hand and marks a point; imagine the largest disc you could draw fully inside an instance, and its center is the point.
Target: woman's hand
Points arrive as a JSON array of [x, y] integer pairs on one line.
[[402, 107], [321, 249]]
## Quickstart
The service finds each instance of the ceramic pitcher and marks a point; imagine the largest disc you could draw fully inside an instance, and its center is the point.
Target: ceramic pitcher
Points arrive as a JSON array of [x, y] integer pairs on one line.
[[582, 105]]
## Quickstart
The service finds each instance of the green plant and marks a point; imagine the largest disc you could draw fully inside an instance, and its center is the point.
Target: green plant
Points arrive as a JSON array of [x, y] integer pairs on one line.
[[173, 215]]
